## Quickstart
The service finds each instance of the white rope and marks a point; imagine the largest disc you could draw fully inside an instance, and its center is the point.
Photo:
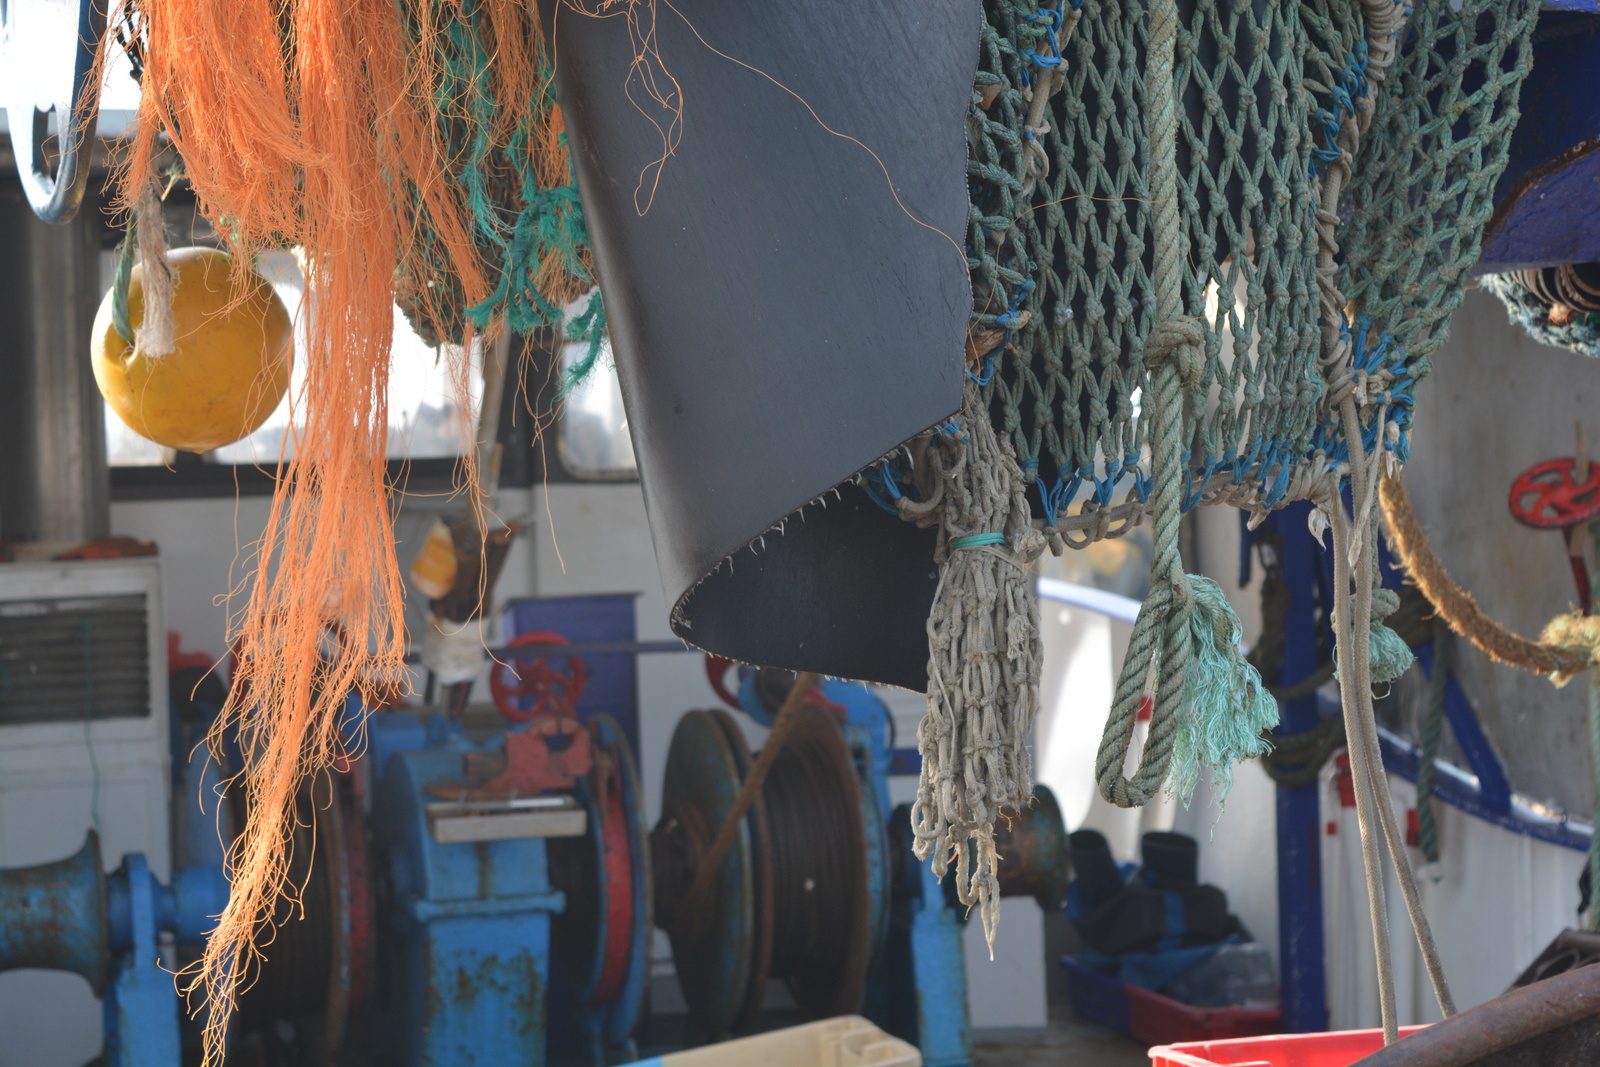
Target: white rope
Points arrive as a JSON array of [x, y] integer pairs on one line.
[[155, 334]]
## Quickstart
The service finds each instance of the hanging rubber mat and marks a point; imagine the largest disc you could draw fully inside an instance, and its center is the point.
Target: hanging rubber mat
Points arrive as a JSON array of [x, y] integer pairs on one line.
[[782, 316]]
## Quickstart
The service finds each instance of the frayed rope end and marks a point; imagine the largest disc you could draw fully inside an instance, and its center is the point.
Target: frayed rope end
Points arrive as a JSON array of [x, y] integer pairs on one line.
[[1226, 707]]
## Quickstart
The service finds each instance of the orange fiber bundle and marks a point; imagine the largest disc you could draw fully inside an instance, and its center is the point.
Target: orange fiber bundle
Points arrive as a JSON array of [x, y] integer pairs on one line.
[[316, 123]]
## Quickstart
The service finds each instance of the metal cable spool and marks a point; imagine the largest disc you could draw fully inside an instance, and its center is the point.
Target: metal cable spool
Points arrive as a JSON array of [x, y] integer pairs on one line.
[[315, 959], [720, 943], [796, 898], [600, 943], [821, 884]]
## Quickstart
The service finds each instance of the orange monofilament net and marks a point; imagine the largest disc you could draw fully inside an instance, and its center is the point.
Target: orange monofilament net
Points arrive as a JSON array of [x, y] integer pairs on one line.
[[317, 124]]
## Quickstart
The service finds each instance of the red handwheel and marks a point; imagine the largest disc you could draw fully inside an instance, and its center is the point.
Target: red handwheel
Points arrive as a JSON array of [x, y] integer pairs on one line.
[[524, 689], [716, 674], [1549, 496]]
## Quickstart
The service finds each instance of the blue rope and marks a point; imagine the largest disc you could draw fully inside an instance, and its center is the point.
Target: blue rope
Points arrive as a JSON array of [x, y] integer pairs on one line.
[[1352, 87]]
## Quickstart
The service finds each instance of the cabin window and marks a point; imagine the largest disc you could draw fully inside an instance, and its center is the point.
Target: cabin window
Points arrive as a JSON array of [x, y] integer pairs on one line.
[[593, 441]]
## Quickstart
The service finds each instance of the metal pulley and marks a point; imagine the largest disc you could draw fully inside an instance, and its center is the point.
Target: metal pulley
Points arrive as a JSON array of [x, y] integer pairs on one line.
[[316, 974], [721, 942]]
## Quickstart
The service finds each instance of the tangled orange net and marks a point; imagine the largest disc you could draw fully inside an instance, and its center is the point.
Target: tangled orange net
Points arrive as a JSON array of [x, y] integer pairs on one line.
[[317, 124]]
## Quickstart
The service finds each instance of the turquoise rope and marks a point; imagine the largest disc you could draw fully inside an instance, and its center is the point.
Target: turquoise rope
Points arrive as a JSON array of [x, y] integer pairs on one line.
[[978, 540]]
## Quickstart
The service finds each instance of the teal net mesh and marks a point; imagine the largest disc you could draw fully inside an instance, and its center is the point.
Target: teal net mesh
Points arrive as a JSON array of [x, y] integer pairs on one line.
[[1549, 315], [1272, 98]]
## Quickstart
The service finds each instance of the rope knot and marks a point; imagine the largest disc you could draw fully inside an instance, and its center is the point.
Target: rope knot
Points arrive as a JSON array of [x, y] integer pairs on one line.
[[1577, 635], [1182, 341]]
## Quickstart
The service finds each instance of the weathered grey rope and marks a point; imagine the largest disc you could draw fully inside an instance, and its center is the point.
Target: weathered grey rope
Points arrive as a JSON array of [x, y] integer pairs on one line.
[[1360, 554], [984, 657], [1350, 640]]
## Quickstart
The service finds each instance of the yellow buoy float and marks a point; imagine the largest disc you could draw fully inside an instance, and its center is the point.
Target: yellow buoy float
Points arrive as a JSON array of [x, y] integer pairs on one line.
[[229, 368]]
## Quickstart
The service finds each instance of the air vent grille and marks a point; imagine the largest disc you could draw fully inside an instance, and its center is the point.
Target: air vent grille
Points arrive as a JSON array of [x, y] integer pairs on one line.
[[74, 659]]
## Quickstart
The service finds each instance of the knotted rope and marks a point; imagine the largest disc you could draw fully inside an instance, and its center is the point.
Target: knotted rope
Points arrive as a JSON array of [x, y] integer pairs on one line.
[[1209, 705], [155, 330]]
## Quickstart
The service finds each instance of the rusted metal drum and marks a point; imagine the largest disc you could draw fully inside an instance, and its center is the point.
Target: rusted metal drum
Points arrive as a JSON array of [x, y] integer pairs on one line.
[[1551, 1023]]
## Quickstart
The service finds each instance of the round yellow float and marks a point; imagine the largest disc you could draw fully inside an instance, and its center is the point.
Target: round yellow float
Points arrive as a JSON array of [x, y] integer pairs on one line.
[[233, 346]]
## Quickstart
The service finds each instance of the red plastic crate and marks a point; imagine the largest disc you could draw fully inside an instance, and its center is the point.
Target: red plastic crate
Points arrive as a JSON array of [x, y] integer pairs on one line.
[[1153, 1019], [1338, 1049], [1157, 1020]]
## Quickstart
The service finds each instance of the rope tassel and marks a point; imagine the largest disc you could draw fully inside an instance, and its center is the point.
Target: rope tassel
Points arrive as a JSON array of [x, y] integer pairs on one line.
[[984, 656], [1226, 706]]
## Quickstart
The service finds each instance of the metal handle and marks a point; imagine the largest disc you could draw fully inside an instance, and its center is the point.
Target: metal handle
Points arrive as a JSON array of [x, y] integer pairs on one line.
[[56, 198]]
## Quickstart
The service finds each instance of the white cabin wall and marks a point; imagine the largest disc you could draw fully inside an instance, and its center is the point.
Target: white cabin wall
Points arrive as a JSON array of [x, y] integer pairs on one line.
[[581, 538]]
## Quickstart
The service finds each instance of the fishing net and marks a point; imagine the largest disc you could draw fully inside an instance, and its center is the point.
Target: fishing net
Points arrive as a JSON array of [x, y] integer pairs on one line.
[[1552, 305], [408, 151], [1213, 245], [504, 147]]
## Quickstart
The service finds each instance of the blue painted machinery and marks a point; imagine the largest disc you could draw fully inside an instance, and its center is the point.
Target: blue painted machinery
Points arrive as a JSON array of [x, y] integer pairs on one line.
[[820, 888], [516, 873], [70, 916]]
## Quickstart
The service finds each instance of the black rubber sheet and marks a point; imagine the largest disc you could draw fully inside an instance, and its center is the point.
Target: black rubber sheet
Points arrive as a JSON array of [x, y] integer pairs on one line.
[[785, 305]]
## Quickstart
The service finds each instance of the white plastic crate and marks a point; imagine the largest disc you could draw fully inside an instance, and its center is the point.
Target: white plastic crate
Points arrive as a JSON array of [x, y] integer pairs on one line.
[[848, 1041]]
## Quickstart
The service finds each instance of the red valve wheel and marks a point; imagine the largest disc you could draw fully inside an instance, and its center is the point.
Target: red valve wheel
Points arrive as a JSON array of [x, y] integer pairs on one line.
[[1548, 495], [716, 674], [552, 690]]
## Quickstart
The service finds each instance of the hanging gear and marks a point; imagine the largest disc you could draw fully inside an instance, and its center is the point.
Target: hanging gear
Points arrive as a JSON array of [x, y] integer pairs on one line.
[[220, 365]]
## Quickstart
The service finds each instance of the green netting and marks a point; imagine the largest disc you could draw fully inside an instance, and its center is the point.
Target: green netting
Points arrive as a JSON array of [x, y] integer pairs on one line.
[[1213, 244], [531, 235], [1561, 327], [1062, 260], [1423, 188]]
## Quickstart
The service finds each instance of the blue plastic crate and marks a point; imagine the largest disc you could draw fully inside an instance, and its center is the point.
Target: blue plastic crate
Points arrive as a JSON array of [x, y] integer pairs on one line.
[[1097, 998]]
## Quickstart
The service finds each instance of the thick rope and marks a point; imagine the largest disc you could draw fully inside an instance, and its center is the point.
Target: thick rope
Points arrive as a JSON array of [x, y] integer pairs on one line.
[[1159, 642], [1209, 706], [1568, 645], [984, 657], [1457, 606], [710, 864]]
